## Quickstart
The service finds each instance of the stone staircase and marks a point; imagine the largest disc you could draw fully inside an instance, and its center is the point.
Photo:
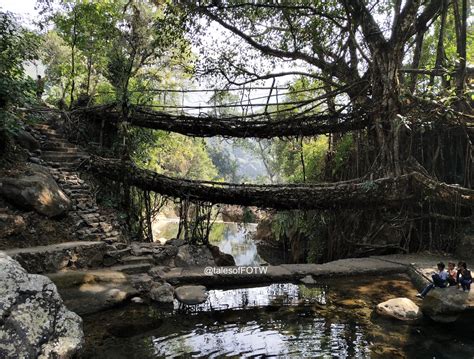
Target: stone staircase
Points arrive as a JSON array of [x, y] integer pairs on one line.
[[63, 159]]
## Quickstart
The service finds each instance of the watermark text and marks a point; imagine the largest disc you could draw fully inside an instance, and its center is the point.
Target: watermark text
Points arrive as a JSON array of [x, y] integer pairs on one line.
[[236, 270]]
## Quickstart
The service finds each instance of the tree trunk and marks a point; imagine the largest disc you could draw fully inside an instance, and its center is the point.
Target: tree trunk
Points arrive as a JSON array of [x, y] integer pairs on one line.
[[386, 93], [73, 59]]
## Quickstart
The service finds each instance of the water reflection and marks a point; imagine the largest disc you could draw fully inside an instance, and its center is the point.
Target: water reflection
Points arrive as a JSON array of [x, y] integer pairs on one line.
[[278, 320], [292, 335], [231, 238], [277, 294]]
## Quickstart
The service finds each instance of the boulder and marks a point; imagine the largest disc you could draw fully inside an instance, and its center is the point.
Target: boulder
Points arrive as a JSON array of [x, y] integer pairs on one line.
[[164, 255], [26, 140], [35, 323], [191, 255], [445, 305], [158, 272], [191, 294], [221, 259], [399, 308], [176, 242], [11, 224], [308, 279], [36, 190], [162, 293]]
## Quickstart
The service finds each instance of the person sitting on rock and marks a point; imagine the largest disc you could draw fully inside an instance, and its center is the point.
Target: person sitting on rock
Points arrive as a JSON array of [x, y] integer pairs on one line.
[[452, 274], [465, 279], [458, 275], [440, 280]]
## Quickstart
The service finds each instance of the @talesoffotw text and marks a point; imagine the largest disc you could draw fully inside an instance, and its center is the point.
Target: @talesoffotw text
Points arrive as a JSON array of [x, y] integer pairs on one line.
[[235, 270]]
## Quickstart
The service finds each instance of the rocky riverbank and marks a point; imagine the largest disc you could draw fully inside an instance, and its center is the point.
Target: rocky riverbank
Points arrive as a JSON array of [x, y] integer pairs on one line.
[[35, 323]]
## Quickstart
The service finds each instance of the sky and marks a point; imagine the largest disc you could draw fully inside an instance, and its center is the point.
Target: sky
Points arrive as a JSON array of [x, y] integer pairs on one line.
[[24, 8]]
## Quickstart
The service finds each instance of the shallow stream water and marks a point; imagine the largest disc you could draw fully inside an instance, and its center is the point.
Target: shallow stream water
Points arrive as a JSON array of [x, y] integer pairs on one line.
[[334, 319], [330, 320]]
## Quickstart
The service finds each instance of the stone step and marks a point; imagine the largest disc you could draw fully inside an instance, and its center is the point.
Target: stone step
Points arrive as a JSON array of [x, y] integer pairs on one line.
[[43, 127], [63, 162], [55, 257], [49, 131], [132, 268], [92, 237], [53, 135], [48, 155], [62, 166], [111, 239], [61, 149], [119, 253], [58, 142], [138, 260]]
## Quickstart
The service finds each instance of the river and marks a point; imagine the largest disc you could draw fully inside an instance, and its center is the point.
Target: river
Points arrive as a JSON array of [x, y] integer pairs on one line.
[[332, 319], [231, 238]]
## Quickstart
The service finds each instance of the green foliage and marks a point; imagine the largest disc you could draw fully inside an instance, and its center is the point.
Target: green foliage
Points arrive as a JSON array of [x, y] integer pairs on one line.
[[17, 46], [342, 151], [173, 154], [222, 160], [305, 225]]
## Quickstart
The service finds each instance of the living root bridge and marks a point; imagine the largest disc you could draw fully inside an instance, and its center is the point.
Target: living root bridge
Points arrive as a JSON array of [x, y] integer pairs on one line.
[[387, 192], [249, 126]]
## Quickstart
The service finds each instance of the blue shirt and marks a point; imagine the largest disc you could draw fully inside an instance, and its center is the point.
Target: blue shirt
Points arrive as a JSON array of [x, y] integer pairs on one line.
[[443, 275]]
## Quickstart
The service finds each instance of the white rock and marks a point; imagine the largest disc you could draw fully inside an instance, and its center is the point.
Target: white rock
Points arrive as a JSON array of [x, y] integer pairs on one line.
[[137, 300], [399, 308]]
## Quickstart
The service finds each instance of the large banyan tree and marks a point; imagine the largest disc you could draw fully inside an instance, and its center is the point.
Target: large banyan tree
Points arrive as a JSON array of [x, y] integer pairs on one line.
[[412, 116]]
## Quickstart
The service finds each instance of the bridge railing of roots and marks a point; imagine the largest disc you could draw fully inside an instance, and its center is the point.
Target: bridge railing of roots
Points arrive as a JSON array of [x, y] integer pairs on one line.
[[326, 113]]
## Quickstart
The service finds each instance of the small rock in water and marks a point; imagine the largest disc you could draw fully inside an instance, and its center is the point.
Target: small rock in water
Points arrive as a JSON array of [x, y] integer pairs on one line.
[[399, 308], [308, 280], [137, 300], [162, 293], [191, 294]]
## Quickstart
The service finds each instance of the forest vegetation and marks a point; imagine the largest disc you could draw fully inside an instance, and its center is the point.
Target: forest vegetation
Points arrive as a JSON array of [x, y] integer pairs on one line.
[[359, 112]]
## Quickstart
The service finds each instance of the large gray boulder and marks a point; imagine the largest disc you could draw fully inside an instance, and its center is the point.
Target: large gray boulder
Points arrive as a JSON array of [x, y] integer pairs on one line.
[[35, 323], [445, 305], [221, 259], [193, 256], [26, 140], [399, 308], [36, 190]]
